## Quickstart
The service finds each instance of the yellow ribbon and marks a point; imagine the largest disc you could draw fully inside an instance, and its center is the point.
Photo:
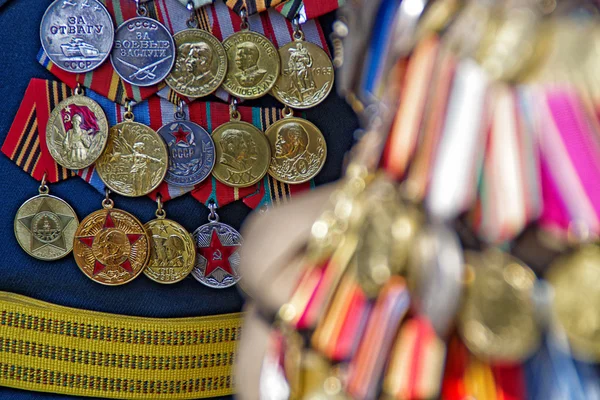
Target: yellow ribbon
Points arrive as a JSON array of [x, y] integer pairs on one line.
[[50, 348]]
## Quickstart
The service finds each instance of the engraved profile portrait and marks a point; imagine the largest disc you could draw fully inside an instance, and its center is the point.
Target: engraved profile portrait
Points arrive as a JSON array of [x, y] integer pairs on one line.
[[194, 63], [300, 69], [292, 141], [239, 151], [247, 56]]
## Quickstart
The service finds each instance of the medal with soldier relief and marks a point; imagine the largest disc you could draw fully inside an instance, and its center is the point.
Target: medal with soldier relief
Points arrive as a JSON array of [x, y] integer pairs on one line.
[[172, 249], [307, 74], [111, 246], [201, 62], [77, 131], [218, 259], [77, 35], [191, 151], [253, 63], [298, 149], [135, 160], [45, 225], [242, 152], [144, 51]]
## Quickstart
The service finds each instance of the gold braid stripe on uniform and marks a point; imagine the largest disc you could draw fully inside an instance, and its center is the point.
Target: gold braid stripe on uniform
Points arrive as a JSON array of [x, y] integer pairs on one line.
[[50, 348]]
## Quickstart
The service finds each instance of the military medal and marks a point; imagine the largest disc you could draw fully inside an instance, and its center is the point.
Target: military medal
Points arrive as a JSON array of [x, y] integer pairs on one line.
[[298, 149], [144, 51], [111, 246], [77, 131], [191, 151], [77, 35], [45, 226], [307, 74], [172, 249], [135, 160], [201, 62], [497, 321], [217, 259], [253, 63], [242, 153]]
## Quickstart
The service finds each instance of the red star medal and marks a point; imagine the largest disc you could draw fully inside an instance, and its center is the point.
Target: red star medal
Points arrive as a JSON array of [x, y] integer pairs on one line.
[[217, 255]]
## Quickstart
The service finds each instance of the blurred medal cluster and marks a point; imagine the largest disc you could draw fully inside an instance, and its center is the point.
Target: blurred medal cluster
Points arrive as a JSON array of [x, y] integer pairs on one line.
[[111, 246], [458, 257]]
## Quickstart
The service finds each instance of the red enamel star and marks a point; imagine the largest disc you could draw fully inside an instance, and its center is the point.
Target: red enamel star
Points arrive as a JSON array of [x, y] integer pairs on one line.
[[89, 242], [217, 255], [181, 135]]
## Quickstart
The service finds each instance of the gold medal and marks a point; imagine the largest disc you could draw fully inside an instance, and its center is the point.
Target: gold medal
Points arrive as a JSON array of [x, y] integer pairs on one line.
[[307, 74], [242, 153], [77, 131], [253, 64], [575, 279], [200, 66], [172, 249], [497, 321], [45, 226], [111, 246], [135, 161], [298, 150]]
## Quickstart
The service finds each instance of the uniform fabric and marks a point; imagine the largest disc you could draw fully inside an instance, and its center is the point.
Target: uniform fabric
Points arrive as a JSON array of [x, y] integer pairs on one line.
[[61, 282]]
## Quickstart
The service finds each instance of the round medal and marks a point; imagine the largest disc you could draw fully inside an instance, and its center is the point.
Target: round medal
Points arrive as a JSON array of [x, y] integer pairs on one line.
[[191, 153], [77, 35], [45, 227], [144, 51], [306, 77], [77, 132], [298, 150], [253, 65], [111, 246], [242, 154], [497, 320], [200, 66], [218, 259], [172, 251], [135, 160], [575, 279]]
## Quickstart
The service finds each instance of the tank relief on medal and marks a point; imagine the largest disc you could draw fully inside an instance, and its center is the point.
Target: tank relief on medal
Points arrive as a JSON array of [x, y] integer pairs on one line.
[[77, 35]]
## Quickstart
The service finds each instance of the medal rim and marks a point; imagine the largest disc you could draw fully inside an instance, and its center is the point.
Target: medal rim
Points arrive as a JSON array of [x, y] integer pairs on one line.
[[218, 44], [69, 242], [212, 225], [164, 169], [277, 71], [272, 127], [217, 151], [105, 210], [172, 63], [54, 115], [101, 62], [189, 237], [295, 106], [166, 177]]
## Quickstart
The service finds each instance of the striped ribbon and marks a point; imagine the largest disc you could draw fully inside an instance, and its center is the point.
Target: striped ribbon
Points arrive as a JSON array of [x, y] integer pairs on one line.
[[50, 348], [308, 9], [25, 143], [252, 6], [570, 160], [217, 18]]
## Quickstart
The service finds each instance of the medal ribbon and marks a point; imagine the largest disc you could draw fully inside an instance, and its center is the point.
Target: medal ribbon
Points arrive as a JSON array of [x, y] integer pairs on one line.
[[216, 18], [55, 349], [308, 9], [25, 143]]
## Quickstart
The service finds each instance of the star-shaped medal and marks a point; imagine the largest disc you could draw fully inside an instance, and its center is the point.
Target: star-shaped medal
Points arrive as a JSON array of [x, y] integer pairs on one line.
[[217, 255], [181, 136], [110, 245], [47, 227]]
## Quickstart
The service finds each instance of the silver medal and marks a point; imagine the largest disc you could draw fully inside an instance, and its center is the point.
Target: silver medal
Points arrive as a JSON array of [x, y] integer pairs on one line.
[[217, 258], [144, 51], [77, 35], [191, 152]]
